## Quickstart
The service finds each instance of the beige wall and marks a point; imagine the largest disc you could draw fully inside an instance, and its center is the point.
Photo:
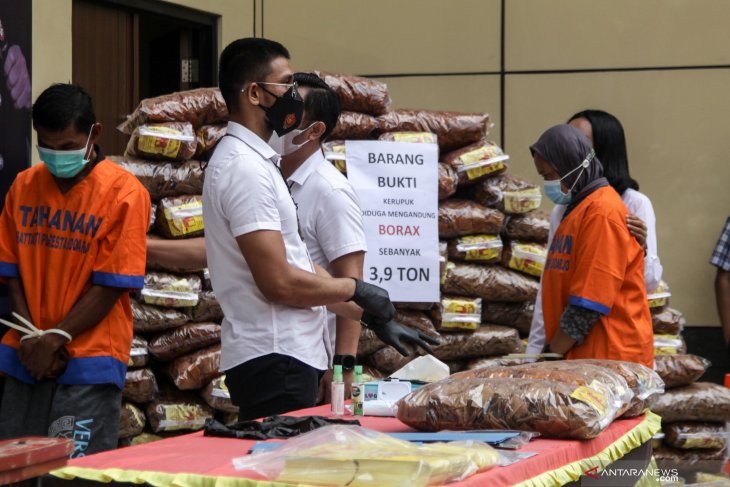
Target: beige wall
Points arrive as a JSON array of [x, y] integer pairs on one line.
[[446, 55], [675, 120]]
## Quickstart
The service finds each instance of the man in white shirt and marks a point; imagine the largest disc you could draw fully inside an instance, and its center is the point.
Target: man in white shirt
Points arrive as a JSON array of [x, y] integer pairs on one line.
[[274, 335], [328, 208]]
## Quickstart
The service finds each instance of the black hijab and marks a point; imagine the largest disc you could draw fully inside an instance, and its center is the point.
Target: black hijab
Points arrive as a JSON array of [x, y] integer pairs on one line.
[[565, 148]]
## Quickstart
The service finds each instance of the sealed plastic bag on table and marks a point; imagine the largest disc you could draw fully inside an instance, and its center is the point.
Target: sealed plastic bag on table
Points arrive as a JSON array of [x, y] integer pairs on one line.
[[668, 322], [199, 107], [509, 194], [208, 137], [525, 257], [175, 410], [138, 354], [553, 409], [533, 226], [448, 181], [454, 130], [171, 290], [476, 162], [516, 315], [184, 339], [641, 379], [458, 313], [463, 217], [163, 179], [358, 457], [678, 370], [151, 319], [207, 309], [485, 341], [139, 439], [412, 137], [492, 283], [180, 217], [131, 420], [355, 126], [217, 396], [482, 249], [140, 386], [602, 381], [701, 401], [687, 435], [358, 94], [194, 370], [170, 141]]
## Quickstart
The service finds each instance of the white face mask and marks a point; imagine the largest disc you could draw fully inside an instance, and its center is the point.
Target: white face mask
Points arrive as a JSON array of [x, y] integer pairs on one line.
[[287, 144]]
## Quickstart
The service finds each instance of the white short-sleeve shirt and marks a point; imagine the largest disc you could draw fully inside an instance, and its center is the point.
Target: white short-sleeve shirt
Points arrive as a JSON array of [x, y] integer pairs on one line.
[[245, 192], [329, 215]]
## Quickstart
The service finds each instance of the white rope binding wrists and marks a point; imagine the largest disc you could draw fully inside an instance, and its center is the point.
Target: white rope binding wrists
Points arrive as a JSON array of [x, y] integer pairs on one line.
[[31, 331]]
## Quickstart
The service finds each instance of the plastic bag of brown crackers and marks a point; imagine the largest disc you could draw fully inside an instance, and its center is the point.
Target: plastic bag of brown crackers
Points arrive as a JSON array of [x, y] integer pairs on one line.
[[168, 141], [194, 370], [184, 339], [553, 409], [358, 94], [477, 162], [463, 217], [140, 386], [151, 319], [199, 107], [354, 126], [180, 217], [678, 370], [454, 130], [131, 420], [533, 226], [491, 283]]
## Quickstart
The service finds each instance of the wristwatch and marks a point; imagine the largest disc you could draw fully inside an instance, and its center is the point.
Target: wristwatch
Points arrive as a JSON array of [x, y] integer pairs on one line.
[[346, 361]]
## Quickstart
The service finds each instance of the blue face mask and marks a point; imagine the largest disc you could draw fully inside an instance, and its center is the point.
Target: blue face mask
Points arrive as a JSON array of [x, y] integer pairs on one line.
[[65, 163], [553, 189]]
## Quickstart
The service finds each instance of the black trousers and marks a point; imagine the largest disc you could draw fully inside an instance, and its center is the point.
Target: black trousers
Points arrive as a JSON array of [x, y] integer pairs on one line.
[[272, 384]]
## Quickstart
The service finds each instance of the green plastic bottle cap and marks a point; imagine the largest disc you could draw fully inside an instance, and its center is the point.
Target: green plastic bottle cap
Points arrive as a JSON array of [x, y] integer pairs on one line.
[[358, 372], [337, 373]]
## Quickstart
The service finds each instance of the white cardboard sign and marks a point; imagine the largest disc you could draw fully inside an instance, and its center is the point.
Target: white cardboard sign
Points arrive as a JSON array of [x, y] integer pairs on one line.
[[397, 183]]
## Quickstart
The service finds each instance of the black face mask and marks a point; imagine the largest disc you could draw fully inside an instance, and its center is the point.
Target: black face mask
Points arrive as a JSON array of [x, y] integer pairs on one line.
[[286, 113]]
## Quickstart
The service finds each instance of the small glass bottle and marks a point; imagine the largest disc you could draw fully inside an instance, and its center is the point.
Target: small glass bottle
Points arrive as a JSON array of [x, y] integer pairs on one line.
[[357, 392], [338, 392]]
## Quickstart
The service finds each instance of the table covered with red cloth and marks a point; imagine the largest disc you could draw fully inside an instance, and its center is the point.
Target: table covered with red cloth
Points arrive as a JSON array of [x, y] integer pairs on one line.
[[197, 460]]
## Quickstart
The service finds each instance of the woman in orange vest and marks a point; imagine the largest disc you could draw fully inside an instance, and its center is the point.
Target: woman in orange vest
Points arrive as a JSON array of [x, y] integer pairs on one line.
[[594, 298]]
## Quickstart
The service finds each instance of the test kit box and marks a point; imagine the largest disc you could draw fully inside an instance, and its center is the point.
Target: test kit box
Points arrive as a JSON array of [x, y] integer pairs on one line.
[[388, 390]]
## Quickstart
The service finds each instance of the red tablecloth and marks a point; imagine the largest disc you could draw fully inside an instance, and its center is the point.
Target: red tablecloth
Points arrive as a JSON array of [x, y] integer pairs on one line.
[[212, 457]]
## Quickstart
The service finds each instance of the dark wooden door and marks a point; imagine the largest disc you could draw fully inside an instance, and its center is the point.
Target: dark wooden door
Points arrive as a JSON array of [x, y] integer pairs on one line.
[[105, 63]]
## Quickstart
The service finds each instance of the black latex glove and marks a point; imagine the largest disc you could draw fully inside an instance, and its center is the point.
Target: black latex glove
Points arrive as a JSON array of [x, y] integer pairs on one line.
[[396, 334], [374, 301]]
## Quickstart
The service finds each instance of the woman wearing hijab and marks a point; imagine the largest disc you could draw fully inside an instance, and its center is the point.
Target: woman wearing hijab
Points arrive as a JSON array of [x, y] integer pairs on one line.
[[607, 136], [593, 295]]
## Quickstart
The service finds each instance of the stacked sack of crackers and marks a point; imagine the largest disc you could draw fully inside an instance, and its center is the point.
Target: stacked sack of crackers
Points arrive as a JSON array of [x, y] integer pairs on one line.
[[694, 414], [173, 383], [493, 238]]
